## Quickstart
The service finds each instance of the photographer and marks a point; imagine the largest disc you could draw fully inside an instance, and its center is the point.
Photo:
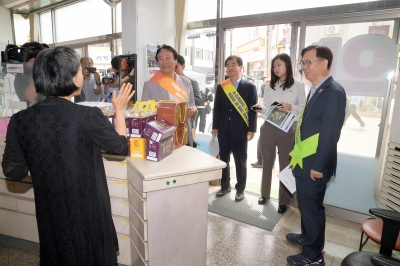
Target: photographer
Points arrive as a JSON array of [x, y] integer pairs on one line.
[[111, 80], [91, 84]]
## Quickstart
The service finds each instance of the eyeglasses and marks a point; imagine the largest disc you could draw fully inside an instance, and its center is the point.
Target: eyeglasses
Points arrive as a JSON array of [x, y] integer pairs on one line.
[[308, 62]]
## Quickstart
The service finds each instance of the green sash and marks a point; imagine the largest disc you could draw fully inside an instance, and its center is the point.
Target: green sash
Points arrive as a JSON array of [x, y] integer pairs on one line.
[[305, 148]]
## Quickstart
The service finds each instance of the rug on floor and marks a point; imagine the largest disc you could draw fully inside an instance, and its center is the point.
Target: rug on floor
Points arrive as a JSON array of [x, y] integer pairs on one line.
[[247, 211]]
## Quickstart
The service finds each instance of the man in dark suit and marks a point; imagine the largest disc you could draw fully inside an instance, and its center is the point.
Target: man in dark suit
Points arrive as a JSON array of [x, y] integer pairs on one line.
[[235, 124], [314, 161], [180, 66]]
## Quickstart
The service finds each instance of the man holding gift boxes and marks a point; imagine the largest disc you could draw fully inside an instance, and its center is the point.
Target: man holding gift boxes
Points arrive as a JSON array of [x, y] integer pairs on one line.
[[167, 85], [235, 124]]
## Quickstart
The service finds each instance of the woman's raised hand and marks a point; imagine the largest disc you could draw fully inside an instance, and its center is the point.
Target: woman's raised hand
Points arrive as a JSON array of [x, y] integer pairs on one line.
[[120, 101]]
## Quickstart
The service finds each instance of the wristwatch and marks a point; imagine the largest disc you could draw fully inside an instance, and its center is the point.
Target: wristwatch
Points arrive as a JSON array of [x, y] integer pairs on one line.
[[98, 83]]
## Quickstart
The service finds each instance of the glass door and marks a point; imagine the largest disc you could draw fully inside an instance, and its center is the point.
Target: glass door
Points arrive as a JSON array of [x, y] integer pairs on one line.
[[257, 46], [364, 65]]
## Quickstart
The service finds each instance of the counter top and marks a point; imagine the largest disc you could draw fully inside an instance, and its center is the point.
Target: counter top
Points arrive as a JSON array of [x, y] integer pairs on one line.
[[183, 161]]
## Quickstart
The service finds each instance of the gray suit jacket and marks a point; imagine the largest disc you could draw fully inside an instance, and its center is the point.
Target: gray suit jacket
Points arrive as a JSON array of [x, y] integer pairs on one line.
[[152, 91]]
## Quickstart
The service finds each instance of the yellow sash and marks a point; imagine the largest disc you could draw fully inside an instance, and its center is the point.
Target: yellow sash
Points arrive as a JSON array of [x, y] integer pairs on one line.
[[170, 85], [303, 148], [237, 100]]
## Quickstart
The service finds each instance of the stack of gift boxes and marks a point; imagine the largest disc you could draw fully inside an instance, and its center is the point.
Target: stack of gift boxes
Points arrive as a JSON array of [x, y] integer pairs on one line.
[[160, 137], [153, 135]]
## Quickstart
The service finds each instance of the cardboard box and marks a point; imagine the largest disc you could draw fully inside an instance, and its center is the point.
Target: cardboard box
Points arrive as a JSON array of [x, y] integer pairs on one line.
[[138, 148], [156, 151], [158, 130], [136, 125], [111, 119], [171, 112]]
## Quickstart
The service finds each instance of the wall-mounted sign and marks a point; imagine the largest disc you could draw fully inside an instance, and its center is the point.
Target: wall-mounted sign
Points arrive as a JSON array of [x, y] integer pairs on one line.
[[252, 46], [384, 30]]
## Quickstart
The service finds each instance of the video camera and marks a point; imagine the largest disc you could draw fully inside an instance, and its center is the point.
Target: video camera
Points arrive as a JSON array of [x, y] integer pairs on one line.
[[20, 54]]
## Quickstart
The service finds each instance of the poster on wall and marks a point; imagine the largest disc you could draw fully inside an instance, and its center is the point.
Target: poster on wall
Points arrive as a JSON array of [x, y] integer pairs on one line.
[[152, 65]]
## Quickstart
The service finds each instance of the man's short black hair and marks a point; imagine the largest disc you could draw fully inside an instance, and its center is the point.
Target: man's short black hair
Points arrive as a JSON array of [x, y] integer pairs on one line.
[[54, 70], [322, 52], [181, 60], [238, 60], [115, 62], [166, 47]]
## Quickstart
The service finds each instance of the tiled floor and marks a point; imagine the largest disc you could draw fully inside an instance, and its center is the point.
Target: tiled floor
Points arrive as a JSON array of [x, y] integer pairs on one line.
[[234, 243]]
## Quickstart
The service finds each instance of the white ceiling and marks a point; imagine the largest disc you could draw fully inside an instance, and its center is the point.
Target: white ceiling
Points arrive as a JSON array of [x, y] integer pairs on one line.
[[29, 6]]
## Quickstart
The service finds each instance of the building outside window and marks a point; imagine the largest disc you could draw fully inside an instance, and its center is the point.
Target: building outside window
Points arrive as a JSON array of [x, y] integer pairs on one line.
[[198, 54], [209, 56], [188, 51]]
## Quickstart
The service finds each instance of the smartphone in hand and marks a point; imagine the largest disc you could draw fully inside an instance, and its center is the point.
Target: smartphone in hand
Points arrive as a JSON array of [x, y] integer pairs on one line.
[[90, 69], [255, 108], [276, 103]]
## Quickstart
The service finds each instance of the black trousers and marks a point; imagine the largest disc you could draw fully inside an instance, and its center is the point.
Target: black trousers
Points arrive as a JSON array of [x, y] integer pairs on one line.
[[311, 196], [228, 146], [201, 113]]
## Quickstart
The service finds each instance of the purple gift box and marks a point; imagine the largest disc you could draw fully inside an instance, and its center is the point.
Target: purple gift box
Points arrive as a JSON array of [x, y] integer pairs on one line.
[[158, 130], [135, 125], [111, 119], [156, 151]]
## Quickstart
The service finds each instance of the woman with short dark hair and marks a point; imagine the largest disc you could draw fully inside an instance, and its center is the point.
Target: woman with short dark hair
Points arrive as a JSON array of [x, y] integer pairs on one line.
[[59, 143], [290, 96]]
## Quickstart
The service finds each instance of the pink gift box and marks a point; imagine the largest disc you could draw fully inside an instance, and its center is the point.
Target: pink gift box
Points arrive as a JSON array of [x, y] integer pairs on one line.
[[4, 124]]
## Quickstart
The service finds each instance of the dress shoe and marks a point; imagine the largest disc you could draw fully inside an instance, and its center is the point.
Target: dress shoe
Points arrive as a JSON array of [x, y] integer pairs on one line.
[[222, 192], [262, 200], [300, 260], [256, 165], [282, 208], [239, 196], [295, 239]]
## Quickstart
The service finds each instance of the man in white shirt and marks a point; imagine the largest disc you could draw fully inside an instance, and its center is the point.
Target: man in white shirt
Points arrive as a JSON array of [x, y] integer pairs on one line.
[[354, 103], [91, 84]]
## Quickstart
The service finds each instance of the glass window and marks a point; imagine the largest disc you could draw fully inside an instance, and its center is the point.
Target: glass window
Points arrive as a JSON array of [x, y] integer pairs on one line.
[[233, 8], [258, 51], [356, 47], [79, 51], [101, 56], [198, 53], [201, 10], [118, 19], [22, 31], [46, 30], [209, 56], [188, 51], [94, 20]]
